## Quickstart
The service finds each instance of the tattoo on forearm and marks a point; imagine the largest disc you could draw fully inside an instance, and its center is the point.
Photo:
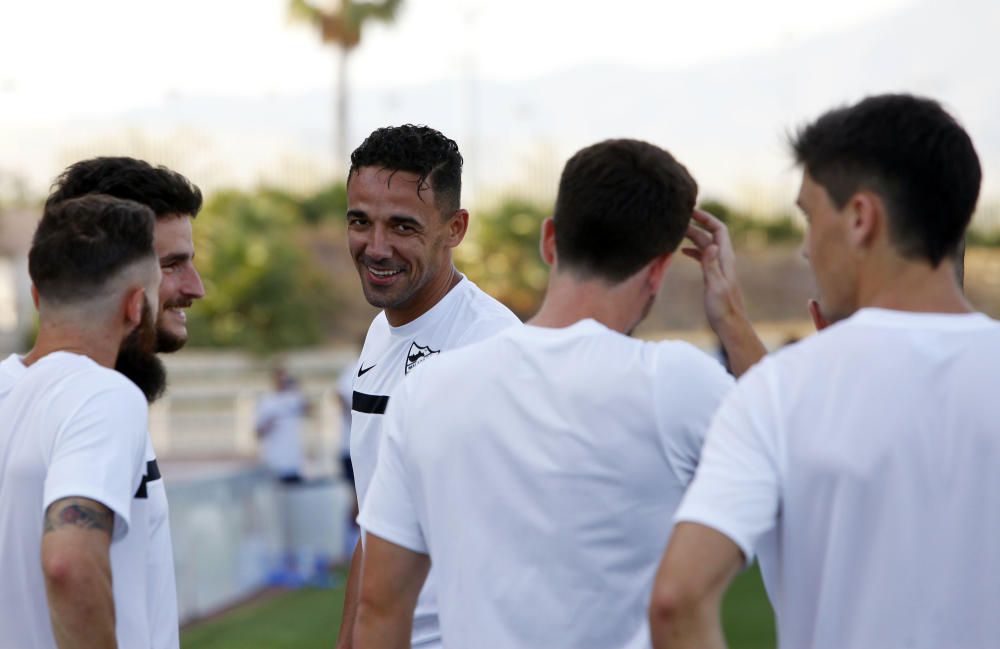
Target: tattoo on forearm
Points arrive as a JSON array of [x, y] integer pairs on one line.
[[78, 512]]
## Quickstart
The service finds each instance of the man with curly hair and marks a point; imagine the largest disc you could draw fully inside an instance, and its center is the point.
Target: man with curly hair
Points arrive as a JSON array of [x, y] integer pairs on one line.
[[404, 217]]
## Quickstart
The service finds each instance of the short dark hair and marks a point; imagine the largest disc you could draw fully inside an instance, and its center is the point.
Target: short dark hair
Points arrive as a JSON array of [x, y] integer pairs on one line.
[[415, 149], [910, 152], [82, 243], [166, 192], [621, 203]]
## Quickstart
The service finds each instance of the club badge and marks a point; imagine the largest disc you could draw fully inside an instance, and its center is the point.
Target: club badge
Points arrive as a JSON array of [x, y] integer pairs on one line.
[[417, 354]]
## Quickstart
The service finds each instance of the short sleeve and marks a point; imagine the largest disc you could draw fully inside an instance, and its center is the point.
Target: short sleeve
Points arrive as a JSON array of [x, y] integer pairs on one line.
[[690, 387], [737, 488], [389, 511], [99, 453]]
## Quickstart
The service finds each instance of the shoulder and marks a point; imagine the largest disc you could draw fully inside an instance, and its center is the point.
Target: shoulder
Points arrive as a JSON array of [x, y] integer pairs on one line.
[[11, 371], [79, 376], [116, 395], [379, 326], [481, 314], [684, 360]]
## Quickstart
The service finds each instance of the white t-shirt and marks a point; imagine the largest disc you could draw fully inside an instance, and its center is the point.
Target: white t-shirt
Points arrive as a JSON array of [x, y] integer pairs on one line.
[[540, 470], [281, 445], [464, 315], [150, 526], [345, 390], [862, 465], [11, 371], [69, 427]]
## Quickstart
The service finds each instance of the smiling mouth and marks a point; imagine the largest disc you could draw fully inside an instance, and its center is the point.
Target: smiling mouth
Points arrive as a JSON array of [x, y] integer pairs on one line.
[[177, 311], [378, 272]]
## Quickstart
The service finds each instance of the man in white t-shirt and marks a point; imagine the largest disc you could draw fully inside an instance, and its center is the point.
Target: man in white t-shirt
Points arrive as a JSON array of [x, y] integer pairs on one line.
[[404, 217], [860, 465], [542, 487], [175, 201], [280, 415], [73, 434]]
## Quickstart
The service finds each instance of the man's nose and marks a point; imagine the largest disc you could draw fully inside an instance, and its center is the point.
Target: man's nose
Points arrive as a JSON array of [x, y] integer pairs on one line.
[[192, 286], [378, 246]]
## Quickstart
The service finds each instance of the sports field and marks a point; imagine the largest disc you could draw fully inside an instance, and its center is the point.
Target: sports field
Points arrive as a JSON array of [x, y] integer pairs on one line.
[[309, 618]]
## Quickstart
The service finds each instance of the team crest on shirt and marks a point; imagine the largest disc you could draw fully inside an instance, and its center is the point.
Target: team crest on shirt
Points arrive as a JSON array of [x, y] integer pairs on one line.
[[417, 355]]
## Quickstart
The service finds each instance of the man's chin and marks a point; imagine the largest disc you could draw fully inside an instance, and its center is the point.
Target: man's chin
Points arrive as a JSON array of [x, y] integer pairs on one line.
[[379, 297], [168, 342]]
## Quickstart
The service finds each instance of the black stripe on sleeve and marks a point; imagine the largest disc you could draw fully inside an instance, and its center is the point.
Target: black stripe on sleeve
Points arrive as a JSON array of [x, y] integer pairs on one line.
[[152, 475], [372, 404]]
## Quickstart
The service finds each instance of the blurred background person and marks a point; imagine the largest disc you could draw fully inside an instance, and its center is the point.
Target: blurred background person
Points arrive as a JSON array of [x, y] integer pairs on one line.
[[280, 417]]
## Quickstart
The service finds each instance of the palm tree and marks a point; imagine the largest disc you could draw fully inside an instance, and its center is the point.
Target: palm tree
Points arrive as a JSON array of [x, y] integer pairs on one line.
[[339, 23]]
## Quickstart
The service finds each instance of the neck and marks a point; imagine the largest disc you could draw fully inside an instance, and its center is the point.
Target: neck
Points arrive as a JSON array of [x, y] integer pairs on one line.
[[569, 300], [904, 285], [98, 346], [431, 294]]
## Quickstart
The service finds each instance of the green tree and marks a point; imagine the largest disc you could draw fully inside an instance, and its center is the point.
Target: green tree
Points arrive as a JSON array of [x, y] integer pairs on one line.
[[747, 229], [339, 23], [501, 254], [262, 292]]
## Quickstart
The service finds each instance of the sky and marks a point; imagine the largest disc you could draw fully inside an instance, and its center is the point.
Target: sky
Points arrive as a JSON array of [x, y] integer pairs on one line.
[[62, 59], [234, 93]]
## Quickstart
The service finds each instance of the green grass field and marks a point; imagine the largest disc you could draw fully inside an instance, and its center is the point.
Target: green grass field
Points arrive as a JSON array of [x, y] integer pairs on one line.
[[309, 619]]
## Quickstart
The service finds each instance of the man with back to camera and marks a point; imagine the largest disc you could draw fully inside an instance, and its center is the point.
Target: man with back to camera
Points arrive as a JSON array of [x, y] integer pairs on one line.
[[73, 435], [404, 217], [175, 202], [543, 492], [860, 464]]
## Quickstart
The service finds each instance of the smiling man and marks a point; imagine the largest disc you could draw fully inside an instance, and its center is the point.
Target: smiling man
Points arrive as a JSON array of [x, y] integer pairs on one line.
[[175, 201], [404, 218]]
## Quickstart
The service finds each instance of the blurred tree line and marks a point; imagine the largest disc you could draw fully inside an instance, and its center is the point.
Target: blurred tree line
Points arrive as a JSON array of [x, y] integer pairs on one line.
[[278, 274]]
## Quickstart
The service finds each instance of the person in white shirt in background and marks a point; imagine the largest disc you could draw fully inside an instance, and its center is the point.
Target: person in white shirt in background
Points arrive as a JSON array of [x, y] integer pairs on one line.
[[345, 393], [404, 218], [538, 471], [175, 201], [860, 465], [73, 436], [280, 415]]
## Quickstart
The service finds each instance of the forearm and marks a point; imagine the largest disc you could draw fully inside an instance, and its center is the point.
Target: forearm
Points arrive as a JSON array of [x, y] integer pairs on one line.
[[352, 594], [743, 347], [81, 602], [382, 629], [686, 627]]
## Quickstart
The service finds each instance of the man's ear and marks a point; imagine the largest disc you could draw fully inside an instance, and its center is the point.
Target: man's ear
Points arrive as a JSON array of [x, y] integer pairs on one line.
[[868, 219], [457, 227], [656, 270], [34, 295], [547, 242], [135, 299]]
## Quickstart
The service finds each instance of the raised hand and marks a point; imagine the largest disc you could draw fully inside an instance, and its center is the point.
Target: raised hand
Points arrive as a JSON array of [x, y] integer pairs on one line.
[[713, 249]]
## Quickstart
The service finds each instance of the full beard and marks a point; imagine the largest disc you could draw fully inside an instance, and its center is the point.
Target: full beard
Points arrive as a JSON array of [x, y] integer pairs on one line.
[[137, 359]]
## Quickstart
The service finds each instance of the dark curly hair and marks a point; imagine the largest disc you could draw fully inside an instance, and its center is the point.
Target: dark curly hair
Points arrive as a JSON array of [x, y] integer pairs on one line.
[[164, 191], [415, 149], [909, 151], [83, 242], [621, 203]]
